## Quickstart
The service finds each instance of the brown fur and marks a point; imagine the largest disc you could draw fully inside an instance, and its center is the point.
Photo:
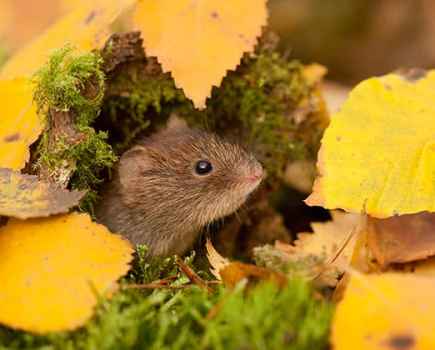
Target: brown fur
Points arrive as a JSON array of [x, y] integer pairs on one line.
[[156, 198]]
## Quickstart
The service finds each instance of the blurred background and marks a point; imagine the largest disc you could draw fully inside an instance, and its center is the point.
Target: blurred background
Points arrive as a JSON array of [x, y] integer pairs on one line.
[[354, 39]]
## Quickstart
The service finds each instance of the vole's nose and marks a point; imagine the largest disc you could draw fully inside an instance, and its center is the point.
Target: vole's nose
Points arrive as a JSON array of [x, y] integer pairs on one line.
[[257, 173]]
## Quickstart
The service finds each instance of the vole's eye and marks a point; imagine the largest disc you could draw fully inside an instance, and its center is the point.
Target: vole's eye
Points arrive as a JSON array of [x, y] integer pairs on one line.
[[203, 167]]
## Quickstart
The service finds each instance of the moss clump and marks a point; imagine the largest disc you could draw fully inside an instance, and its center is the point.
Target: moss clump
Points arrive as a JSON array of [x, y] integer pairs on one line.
[[138, 96], [301, 267], [258, 100], [71, 87], [71, 81], [261, 318], [146, 270]]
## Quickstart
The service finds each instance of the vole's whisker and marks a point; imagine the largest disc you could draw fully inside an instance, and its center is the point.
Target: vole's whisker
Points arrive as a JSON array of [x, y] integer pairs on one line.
[[239, 219]]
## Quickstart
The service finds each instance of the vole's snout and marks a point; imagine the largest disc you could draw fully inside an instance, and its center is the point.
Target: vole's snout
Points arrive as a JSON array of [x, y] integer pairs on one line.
[[253, 172], [256, 173]]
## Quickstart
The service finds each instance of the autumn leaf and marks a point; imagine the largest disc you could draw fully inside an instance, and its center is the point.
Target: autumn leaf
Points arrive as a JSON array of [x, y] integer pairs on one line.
[[198, 41], [378, 154], [328, 238], [362, 258], [6, 15], [425, 267], [86, 28], [217, 261], [23, 196], [401, 239], [71, 5], [386, 312], [236, 271], [20, 125], [231, 273], [323, 255], [399, 243], [53, 269]]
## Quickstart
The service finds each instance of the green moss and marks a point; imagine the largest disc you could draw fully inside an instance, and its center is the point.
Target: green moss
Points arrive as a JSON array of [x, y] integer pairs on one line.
[[301, 267], [258, 100], [93, 155], [136, 100], [146, 270], [262, 318], [73, 83]]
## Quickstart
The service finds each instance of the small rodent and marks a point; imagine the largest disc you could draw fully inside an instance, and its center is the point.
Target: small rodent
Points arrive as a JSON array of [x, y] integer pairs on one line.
[[172, 184]]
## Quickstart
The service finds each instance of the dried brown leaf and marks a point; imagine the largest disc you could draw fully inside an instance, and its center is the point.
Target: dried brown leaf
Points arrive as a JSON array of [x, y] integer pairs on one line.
[[217, 261], [235, 272], [325, 254], [231, 273], [401, 239], [24, 196]]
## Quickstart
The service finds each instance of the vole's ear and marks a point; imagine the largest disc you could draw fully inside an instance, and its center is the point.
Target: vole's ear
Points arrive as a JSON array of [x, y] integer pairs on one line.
[[132, 163]]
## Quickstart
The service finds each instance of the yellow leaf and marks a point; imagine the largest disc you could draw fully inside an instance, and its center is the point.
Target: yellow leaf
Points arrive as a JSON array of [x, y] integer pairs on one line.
[[378, 154], [53, 269], [20, 125], [198, 41], [71, 5], [23, 196], [87, 27], [386, 312]]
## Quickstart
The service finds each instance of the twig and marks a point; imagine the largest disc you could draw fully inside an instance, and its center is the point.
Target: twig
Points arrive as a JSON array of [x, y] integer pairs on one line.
[[154, 285], [336, 255], [192, 275], [161, 284]]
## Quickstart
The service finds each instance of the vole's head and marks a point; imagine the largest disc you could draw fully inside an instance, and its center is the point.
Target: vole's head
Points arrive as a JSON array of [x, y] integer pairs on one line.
[[191, 174]]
